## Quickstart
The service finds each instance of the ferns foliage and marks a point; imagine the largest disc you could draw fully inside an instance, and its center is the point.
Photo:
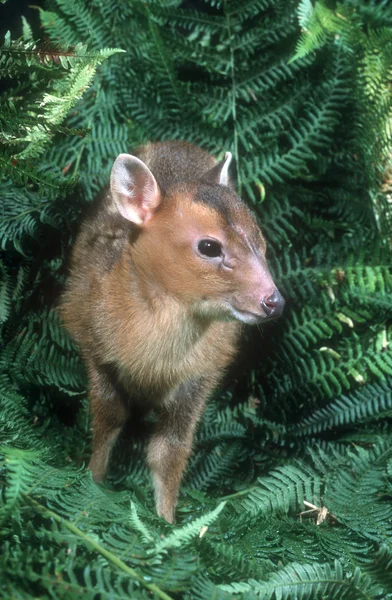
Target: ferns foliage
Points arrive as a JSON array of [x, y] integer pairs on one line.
[[288, 492]]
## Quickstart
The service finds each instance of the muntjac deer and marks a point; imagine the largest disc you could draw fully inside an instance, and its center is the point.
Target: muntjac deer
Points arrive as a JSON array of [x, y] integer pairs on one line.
[[166, 269]]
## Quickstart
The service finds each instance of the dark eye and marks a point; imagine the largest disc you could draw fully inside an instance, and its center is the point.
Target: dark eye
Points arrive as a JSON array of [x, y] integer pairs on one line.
[[209, 248]]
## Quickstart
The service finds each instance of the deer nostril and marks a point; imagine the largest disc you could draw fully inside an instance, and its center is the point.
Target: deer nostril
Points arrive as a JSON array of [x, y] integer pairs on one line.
[[273, 305]]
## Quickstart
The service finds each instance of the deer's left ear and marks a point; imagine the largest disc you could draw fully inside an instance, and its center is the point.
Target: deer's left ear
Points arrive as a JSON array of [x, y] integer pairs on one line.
[[219, 173]]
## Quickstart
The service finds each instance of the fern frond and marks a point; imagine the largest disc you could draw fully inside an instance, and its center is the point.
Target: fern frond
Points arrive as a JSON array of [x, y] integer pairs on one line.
[[373, 402], [284, 489], [318, 23], [180, 537], [306, 581]]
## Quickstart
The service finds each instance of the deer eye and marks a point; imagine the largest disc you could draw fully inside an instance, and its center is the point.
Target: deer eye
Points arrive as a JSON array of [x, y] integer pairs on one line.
[[209, 248]]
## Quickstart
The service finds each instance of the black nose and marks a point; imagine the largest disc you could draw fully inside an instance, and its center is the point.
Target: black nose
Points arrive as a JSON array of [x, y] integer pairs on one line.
[[273, 305]]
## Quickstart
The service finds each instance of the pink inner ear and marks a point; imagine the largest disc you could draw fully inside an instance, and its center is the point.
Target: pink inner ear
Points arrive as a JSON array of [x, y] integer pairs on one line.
[[134, 189]]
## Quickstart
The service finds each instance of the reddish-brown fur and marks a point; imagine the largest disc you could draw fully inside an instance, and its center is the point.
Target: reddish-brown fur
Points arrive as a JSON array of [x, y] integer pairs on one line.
[[156, 321]]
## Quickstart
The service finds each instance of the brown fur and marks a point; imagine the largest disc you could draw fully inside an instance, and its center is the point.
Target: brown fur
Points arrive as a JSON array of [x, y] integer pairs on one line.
[[147, 311]]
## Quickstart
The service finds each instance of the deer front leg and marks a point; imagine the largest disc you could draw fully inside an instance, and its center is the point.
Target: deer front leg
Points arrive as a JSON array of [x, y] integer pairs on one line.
[[110, 413], [171, 444]]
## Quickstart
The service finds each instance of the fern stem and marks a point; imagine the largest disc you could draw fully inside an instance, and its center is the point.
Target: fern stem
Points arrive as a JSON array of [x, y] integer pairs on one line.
[[32, 176], [237, 494], [80, 154], [112, 558], [164, 56]]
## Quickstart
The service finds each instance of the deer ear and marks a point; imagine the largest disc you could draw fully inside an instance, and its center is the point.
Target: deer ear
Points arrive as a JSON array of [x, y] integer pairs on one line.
[[219, 173], [134, 189]]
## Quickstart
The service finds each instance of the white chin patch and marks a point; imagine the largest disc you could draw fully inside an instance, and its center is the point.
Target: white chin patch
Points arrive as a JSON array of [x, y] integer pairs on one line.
[[245, 317], [226, 312]]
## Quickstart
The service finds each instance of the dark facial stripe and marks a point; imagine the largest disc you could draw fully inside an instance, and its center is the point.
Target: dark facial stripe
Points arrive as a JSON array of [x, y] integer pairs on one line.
[[217, 197], [234, 211]]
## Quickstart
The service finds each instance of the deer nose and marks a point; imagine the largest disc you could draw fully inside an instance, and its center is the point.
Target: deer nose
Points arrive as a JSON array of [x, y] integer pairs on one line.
[[273, 305]]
